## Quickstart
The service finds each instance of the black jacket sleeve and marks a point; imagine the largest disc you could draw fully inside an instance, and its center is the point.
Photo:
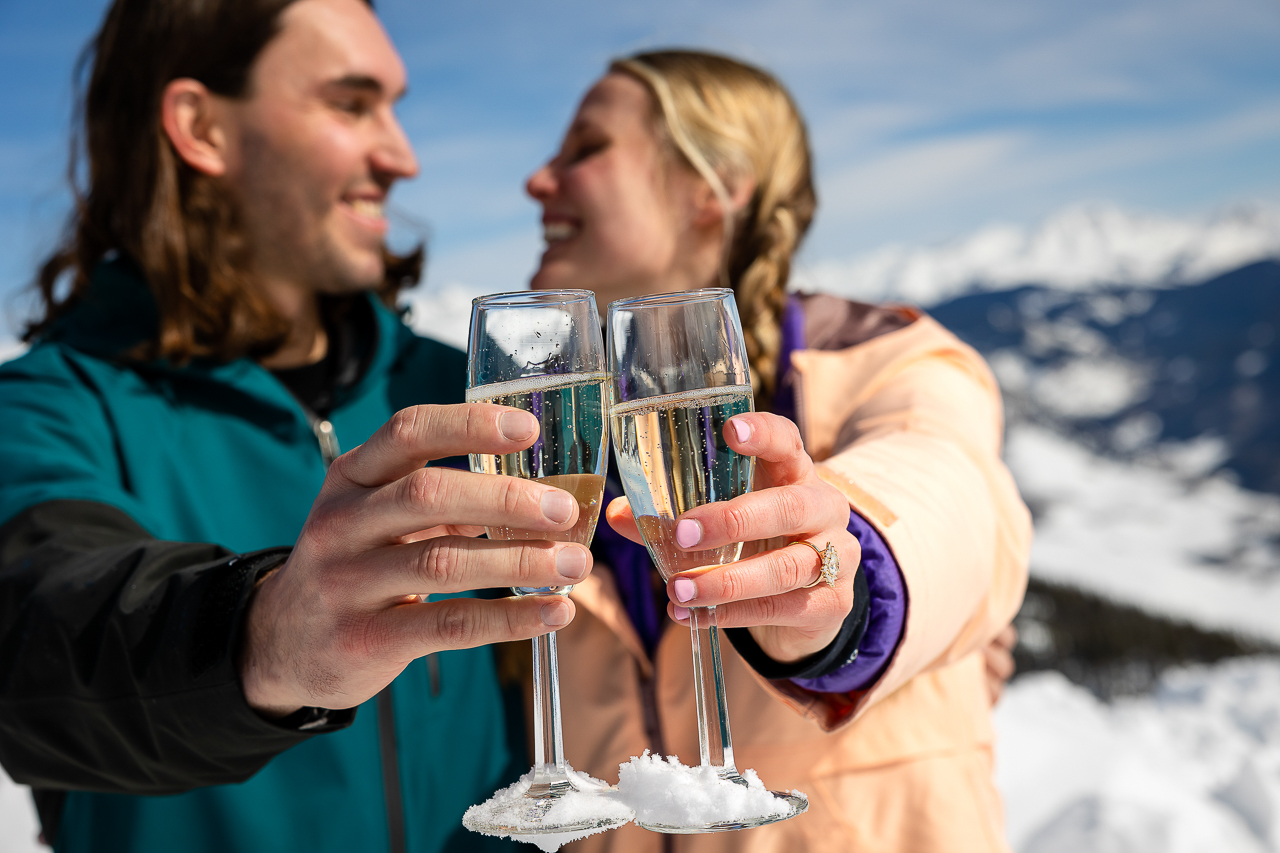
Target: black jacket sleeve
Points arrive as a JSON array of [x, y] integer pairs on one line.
[[118, 657]]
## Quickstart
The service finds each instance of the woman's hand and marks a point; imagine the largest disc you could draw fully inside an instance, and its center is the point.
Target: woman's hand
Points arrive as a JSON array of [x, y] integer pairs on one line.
[[765, 592]]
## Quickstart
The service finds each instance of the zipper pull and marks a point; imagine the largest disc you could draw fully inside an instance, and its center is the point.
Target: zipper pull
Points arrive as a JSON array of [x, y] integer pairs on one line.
[[327, 437], [433, 674]]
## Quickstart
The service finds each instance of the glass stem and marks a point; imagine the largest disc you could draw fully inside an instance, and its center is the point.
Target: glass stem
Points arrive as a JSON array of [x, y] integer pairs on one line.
[[715, 744], [548, 756]]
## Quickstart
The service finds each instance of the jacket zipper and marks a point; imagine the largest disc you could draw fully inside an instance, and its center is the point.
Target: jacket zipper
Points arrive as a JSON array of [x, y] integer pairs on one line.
[[327, 438], [391, 771]]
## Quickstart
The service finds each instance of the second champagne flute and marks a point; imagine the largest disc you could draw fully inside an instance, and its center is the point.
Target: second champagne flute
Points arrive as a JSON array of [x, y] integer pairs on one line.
[[542, 352], [678, 372]]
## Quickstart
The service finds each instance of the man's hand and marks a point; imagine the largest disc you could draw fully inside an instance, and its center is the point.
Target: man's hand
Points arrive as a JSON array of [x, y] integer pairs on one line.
[[342, 617], [997, 656]]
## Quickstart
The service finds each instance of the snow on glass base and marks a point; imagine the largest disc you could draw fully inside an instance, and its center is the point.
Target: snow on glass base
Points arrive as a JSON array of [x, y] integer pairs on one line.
[[667, 796], [660, 794], [588, 806]]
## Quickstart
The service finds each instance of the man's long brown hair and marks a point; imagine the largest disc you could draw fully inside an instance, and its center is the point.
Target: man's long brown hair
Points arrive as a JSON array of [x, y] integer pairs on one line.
[[139, 199]]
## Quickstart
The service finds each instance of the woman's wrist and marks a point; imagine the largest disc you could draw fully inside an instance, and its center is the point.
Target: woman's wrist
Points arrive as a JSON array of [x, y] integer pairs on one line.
[[886, 618], [837, 654]]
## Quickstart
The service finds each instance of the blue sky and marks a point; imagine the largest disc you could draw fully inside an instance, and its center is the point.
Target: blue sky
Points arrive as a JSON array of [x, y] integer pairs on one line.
[[928, 119]]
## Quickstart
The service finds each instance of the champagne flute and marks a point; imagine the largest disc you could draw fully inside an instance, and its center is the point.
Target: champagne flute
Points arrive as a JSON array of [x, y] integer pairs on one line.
[[541, 351], [678, 372]]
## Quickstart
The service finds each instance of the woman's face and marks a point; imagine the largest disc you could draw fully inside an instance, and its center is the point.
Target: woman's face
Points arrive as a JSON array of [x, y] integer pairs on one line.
[[619, 217]]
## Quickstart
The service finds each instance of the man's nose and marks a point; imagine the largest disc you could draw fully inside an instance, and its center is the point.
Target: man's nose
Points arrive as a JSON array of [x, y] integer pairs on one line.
[[392, 154]]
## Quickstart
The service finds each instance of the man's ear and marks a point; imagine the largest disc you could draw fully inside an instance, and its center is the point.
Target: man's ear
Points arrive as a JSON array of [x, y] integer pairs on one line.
[[191, 119]]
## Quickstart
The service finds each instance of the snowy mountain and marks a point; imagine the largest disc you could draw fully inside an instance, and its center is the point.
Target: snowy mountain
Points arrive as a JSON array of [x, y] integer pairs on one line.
[[1079, 248], [1144, 432]]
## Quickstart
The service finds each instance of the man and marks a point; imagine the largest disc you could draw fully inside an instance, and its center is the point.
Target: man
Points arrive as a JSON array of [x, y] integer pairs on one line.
[[223, 335]]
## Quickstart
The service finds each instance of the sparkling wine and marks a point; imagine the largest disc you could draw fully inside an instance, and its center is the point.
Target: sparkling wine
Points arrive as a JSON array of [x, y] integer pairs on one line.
[[672, 457], [568, 453]]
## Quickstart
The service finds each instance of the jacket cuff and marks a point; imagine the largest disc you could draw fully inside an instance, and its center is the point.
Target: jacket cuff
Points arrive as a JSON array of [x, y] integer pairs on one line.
[[838, 654], [303, 723], [887, 617]]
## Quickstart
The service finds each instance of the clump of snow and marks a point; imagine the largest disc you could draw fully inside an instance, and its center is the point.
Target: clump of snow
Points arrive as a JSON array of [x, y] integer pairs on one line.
[[1195, 766], [1159, 532], [593, 806], [666, 792], [1077, 249]]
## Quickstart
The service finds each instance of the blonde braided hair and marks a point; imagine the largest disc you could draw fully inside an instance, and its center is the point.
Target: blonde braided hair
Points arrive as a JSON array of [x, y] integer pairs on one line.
[[732, 122]]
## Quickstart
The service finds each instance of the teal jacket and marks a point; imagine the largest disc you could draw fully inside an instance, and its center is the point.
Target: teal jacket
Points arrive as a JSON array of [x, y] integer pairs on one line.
[[222, 454]]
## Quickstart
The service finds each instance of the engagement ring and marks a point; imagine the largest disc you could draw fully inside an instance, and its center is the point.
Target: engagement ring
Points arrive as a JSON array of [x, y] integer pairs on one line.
[[830, 569]]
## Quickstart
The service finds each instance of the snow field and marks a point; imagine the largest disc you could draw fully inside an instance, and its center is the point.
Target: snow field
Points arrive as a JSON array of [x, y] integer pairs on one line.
[[1155, 533], [1192, 768]]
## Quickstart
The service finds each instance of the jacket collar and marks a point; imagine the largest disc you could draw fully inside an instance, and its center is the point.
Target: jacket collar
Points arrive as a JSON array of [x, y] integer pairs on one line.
[[119, 312]]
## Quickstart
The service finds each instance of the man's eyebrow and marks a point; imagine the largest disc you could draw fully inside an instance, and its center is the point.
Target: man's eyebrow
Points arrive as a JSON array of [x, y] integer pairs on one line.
[[364, 82]]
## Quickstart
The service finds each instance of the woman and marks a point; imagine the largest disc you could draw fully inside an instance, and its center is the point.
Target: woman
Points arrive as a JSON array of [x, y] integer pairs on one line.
[[684, 170]]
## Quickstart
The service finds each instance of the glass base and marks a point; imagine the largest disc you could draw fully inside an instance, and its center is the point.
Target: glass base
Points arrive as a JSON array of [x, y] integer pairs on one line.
[[797, 804], [585, 807]]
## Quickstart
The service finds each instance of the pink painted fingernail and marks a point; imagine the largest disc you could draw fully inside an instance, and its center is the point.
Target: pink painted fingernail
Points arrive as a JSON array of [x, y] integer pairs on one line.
[[685, 589], [688, 533], [742, 428], [682, 613]]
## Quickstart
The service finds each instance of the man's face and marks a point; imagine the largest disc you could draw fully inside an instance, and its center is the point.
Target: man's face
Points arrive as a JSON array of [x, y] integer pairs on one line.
[[314, 148]]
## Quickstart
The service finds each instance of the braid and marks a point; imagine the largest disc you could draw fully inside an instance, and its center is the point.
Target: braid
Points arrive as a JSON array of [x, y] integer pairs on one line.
[[761, 295]]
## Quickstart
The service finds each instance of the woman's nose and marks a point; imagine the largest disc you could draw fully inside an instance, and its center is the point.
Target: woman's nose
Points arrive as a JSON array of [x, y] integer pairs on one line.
[[541, 184]]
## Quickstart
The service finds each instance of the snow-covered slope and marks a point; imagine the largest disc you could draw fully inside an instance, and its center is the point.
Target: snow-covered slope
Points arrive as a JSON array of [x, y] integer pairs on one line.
[[1192, 768], [1144, 432], [1158, 532], [1079, 248]]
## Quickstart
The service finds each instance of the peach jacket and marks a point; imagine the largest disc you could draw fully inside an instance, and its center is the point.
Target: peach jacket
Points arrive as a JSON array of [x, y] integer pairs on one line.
[[908, 425]]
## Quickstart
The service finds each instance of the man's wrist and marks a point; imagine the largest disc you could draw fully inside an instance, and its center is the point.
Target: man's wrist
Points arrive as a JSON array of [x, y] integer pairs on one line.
[[258, 679]]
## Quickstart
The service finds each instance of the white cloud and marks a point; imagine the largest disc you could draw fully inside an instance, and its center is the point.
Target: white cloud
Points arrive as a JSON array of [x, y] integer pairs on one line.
[[495, 265], [906, 177]]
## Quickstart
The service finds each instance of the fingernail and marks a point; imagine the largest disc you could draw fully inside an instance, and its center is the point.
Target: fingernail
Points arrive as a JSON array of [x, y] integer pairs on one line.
[[685, 589], [571, 563], [682, 613], [516, 426], [742, 428], [555, 614], [557, 506], [688, 533]]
